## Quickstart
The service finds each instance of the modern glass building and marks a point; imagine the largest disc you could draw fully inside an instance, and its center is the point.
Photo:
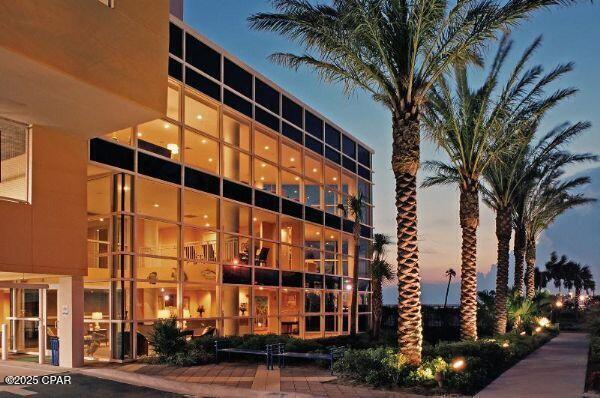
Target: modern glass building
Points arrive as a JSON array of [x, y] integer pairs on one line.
[[222, 213]]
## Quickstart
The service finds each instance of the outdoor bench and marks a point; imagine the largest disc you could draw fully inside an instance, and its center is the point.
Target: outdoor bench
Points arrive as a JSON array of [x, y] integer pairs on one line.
[[220, 346], [278, 350]]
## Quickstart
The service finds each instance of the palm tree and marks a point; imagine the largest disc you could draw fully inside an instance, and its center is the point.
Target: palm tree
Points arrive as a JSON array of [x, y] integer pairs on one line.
[[354, 208], [541, 279], [381, 271], [395, 50], [483, 131], [450, 273], [547, 199], [555, 268], [587, 280], [526, 103]]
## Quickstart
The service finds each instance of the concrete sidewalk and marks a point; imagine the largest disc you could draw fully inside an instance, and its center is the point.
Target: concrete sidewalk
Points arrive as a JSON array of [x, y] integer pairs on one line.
[[557, 369]]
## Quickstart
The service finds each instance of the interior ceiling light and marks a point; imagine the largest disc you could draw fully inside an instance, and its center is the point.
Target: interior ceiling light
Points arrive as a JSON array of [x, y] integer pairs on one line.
[[166, 125], [199, 117], [156, 205], [266, 147], [174, 148]]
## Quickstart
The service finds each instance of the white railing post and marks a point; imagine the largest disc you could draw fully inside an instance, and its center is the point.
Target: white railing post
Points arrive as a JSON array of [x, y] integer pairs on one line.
[[4, 342]]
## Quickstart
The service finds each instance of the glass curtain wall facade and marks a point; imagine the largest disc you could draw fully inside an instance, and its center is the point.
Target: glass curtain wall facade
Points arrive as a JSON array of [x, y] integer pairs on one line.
[[224, 213]]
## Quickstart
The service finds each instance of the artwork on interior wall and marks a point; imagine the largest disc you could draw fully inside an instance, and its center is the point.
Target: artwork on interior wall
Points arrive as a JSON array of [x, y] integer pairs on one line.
[[262, 310]]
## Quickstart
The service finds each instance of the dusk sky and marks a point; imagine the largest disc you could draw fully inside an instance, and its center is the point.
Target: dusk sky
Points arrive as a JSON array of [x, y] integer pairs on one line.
[[571, 34]]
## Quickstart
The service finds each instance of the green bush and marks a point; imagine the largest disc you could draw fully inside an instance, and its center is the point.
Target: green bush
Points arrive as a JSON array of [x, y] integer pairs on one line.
[[484, 360], [374, 366], [167, 339]]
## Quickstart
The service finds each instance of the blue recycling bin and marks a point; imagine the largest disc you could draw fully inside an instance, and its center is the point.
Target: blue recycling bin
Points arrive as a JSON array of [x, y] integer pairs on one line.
[[54, 350]]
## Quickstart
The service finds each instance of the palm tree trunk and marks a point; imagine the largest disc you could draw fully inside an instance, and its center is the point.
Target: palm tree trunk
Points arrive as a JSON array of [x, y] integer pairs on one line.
[[530, 271], [377, 304], [447, 291], [405, 163], [520, 250], [503, 231], [577, 294], [469, 221], [354, 306]]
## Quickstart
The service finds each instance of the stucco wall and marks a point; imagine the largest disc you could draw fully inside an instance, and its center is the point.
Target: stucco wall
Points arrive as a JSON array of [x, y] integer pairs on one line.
[[48, 236], [122, 50]]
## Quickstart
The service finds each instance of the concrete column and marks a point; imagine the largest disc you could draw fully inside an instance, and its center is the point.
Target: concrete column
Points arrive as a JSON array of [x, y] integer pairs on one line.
[[70, 321], [231, 305], [4, 342], [42, 326]]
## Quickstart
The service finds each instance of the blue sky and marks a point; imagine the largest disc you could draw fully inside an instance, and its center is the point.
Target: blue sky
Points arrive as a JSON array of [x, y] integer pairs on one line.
[[570, 34]]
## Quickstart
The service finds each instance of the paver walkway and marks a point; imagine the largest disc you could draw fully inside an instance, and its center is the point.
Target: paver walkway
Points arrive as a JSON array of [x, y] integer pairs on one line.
[[557, 369], [243, 379]]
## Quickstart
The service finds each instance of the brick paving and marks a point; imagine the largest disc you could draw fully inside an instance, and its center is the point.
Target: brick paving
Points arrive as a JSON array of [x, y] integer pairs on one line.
[[305, 379]]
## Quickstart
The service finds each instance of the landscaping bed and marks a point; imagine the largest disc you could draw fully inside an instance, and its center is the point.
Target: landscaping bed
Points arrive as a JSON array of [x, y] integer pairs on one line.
[[457, 367], [447, 367], [593, 369]]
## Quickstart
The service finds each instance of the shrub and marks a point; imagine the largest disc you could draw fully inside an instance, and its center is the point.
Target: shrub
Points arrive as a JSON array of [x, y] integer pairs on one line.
[[374, 366], [484, 361], [167, 339]]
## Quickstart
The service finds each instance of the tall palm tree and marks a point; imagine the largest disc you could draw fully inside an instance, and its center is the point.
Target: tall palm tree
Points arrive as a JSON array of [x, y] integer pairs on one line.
[[450, 273], [541, 279], [549, 197], [526, 103], [482, 129], [381, 271], [395, 50], [555, 268], [354, 209], [587, 279]]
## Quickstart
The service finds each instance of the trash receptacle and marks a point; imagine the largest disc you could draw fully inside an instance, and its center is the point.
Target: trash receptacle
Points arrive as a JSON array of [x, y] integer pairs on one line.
[[54, 350]]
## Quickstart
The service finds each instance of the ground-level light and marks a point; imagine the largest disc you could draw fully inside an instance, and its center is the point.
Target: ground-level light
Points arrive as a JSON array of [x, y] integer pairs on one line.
[[543, 322], [458, 364]]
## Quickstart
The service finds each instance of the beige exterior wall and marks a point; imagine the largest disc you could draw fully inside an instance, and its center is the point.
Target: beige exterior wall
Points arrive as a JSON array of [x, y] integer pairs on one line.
[[73, 69], [112, 61], [48, 236]]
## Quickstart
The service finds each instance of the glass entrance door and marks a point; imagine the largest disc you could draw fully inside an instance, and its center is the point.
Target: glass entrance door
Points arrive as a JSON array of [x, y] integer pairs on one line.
[[24, 320]]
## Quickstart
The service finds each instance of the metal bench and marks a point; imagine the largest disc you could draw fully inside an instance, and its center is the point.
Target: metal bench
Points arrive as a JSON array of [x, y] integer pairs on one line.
[[278, 350], [220, 346]]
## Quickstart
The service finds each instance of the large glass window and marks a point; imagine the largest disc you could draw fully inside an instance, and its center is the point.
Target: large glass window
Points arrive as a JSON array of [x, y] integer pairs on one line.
[[265, 176], [236, 165], [201, 116], [121, 136], [199, 301], [201, 152], [236, 249], [291, 186], [173, 97], [200, 209], [235, 218], [312, 194], [265, 146], [156, 300], [264, 224], [157, 199], [157, 238], [291, 157], [291, 231], [236, 133], [313, 168], [200, 245], [290, 257], [14, 160], [160, 137]]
